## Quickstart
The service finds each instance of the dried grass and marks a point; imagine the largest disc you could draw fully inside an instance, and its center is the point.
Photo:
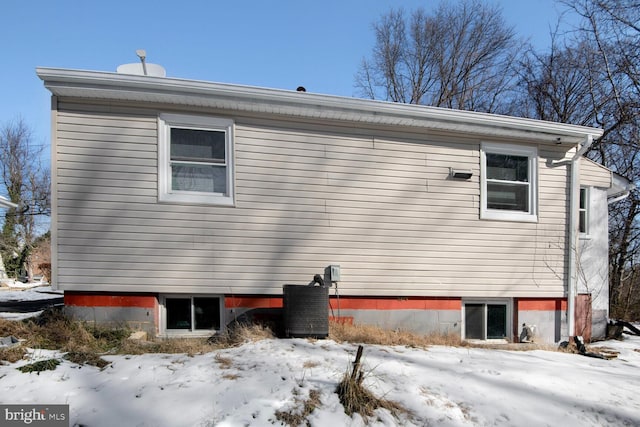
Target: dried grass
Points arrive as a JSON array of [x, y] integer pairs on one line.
[[13, 354], [189, 346], [304, 408], [85, 342], [367, 334], [55, 331], [510, 346], [82, 358], [224, 362], [241, 333]]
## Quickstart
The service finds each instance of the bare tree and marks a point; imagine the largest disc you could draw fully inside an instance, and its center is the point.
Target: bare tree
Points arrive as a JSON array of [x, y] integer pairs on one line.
[[461, 56], [556, 86], [27, 184]]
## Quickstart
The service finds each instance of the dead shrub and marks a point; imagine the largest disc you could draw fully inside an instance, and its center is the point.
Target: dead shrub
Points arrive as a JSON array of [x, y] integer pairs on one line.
[[356, 398]]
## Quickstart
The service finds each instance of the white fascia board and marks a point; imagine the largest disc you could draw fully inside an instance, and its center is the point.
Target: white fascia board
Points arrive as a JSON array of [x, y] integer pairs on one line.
[[123, 87]]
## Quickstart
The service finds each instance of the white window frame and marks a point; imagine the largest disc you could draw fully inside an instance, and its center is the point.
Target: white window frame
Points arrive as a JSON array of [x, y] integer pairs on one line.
[[515, 150], [165, 192], [186, 332], [587, 204], [508, 302]]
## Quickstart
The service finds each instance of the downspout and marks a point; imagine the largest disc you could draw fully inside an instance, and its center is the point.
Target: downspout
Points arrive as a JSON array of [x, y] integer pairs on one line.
[[574, 200], [621, 197]]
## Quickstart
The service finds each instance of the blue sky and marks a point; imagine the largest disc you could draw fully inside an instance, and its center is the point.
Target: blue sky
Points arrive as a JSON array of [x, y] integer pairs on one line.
[[276, 43]]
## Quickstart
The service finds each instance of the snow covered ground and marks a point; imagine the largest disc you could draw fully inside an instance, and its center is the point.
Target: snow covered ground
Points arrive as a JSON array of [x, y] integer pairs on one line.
[[26, 292], [245, 386]]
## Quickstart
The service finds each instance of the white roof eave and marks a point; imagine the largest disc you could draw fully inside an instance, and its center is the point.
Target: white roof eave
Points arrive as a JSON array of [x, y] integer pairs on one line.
[[619, 185], [124, 87]]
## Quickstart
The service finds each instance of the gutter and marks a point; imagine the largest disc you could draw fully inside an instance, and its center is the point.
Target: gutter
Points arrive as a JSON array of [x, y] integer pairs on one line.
[[620, 197], [623, 186]]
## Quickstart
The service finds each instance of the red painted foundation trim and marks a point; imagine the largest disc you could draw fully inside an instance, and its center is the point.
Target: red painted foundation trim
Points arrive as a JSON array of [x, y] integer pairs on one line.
[[409, 303], [537, 304], [252, 302], [109, 300], [344, 320], [353, 303]]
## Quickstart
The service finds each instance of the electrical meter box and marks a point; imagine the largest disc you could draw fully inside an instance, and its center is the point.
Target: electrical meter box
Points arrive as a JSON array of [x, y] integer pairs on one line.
[[334, 273]]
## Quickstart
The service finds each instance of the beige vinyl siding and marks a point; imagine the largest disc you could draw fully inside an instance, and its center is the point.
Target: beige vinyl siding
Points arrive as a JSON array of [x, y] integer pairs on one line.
[[376, 201], [593, 174]]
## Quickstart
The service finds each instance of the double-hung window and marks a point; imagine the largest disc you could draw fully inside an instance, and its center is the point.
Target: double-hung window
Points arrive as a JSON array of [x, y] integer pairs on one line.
[[195, 159], [508, 179]]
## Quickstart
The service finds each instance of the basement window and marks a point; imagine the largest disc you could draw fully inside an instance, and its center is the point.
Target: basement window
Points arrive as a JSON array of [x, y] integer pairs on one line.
[[189, 315], [486, 320], [195, 160], [508, 182]]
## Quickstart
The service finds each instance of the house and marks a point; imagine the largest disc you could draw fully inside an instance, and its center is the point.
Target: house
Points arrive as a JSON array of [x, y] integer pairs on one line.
[[180, 206]]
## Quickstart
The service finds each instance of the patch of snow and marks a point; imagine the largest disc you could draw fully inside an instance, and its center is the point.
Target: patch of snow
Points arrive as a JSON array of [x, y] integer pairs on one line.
[[444, 386], [34, 293], [16, 284], [39, 293], [19, 316]]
